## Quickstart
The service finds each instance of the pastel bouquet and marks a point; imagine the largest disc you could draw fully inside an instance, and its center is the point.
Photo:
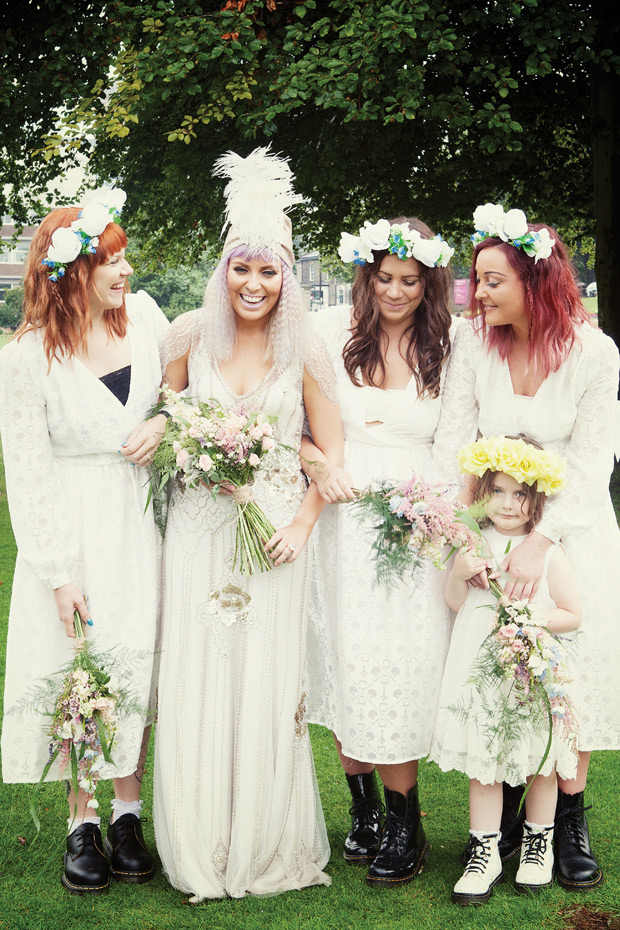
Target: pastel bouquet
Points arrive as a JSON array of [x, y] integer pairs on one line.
[[84, 720], [522, 678], [415, 521], [210, 445]]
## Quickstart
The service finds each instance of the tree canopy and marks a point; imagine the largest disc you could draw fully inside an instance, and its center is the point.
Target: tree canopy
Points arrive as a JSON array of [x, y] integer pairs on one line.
[[385, 107]]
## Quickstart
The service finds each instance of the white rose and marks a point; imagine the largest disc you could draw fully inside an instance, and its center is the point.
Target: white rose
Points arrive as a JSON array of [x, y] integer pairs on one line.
[[108, 197], [94, 219], [544, 244], [376, 235], [352, 248], [489, 218], [446, 254], [65, 246], [514, 225], [427, 251]]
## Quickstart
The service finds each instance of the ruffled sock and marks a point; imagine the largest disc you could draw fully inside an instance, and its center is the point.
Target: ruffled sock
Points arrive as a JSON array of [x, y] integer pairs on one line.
[[120, 808]]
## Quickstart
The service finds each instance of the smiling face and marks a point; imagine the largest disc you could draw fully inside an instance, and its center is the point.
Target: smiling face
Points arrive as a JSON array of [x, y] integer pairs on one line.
[[500, 291], [508, 507], [399, 289], [108, 283], [254, 287]]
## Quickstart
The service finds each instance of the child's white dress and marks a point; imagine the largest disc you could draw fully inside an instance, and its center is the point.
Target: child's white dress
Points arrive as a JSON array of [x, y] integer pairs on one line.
[[463, 729]]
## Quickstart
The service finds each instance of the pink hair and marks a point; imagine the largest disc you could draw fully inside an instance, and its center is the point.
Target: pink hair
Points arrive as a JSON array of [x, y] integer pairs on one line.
[[552, 300]]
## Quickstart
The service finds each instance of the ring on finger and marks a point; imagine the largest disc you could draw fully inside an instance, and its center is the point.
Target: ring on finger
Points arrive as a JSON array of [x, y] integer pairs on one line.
[[292, 548]]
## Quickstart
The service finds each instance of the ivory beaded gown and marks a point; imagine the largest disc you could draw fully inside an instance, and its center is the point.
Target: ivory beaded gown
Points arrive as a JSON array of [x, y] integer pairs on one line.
[[78, 514], [375, 653], [463, 741], [236, 803], [572, 414]]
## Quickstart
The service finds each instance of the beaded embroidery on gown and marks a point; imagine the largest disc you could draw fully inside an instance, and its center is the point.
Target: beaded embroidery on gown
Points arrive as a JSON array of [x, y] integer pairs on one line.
[[236, 804], [78, 514], [375, 654], [460, 739], [572, 414]]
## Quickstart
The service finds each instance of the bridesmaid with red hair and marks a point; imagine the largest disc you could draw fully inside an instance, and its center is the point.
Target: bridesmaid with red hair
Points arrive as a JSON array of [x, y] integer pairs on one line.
[[75, 386], [531, 362]]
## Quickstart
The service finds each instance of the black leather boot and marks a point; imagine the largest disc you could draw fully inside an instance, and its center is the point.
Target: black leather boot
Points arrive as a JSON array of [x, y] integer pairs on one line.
[[511, 826], [575, 866], [362, 842], [86, 867], [130, 860], [403, 846]]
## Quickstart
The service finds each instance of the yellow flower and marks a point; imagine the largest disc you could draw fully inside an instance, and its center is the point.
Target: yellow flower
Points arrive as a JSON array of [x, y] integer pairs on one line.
[[516, 458]]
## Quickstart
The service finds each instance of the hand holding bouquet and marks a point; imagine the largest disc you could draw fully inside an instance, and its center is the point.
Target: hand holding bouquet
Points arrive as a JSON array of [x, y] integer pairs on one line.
[[527, 664], [84, 721], [415, 521], [209, 444]]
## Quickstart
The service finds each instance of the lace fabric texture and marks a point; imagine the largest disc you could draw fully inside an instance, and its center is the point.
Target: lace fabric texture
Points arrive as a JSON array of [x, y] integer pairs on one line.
[[375, 654], [462, 740], [78, 514], [236, 805], [572, 414]]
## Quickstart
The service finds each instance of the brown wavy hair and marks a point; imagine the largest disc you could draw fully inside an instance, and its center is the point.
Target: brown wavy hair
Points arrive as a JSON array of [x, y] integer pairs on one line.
[[429, 332], [61, 309], [535, 498]]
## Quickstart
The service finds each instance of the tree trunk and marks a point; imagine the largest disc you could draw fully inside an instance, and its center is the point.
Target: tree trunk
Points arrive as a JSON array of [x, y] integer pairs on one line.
[[606, 176]]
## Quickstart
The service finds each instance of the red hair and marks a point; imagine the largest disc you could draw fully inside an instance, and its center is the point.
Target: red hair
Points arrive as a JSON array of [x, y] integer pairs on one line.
[[552, 298], [61, 309]]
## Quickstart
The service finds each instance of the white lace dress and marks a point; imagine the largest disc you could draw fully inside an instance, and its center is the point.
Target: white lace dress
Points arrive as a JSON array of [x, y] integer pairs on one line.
[[375, 654], [463, 740], [573, 414], [236, 809], [78, 514]]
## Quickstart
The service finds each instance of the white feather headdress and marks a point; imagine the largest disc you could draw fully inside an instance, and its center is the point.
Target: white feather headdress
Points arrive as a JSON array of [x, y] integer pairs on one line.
[[258, 194]]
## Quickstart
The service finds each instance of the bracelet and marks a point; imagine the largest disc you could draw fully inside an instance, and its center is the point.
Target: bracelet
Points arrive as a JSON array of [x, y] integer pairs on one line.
[[166, 414]]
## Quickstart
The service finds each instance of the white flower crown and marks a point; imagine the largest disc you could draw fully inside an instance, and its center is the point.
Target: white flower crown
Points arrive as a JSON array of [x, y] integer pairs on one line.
[[511, 227], [101, 207], [399, 239]]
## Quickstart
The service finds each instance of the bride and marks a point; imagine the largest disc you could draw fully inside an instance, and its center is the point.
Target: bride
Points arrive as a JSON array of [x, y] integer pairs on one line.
[[236, 803]]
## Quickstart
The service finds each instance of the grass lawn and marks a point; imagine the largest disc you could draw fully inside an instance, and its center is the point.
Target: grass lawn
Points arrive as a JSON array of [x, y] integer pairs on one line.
[[32, 898]]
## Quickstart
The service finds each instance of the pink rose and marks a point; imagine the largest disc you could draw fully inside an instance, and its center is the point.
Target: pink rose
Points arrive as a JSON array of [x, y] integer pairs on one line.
[[254, 460], [182, 458], [268, 444], [205, 462]]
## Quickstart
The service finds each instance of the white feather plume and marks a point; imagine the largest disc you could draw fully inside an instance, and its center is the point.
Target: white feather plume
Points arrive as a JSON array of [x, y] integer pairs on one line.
[[258, 194]]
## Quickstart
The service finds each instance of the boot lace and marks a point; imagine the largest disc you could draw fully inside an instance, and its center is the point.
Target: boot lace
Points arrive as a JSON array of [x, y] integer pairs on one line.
[[479, 852], [571, 823], [369, 807], [535, 847]]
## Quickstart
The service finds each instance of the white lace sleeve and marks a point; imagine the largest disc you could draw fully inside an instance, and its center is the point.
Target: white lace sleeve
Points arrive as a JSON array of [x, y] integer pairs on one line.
[[319, 365], [37, 504], [590, 452], [458, 422], [180, 337], [143, 303]]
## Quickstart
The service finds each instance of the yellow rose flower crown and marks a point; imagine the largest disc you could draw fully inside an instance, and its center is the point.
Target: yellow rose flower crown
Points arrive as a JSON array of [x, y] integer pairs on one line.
[[517, 458]]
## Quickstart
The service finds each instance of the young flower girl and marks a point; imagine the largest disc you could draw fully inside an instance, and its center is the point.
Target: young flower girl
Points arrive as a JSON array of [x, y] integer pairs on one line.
[[514, 475]]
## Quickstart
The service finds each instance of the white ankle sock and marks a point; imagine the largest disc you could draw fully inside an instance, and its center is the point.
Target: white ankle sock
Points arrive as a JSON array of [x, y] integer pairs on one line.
[[119, 808], [74, 822], [488, 833], [539, 827]]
